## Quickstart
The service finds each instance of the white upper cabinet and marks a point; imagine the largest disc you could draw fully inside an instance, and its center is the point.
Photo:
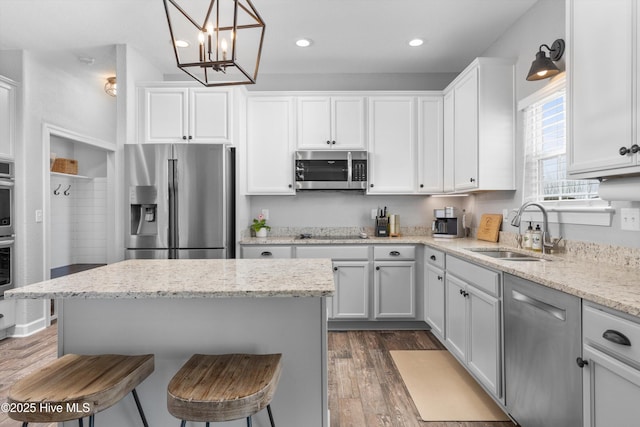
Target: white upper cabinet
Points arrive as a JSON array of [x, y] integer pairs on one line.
[[448, 130], [7, 118], [392, 145], [331, 123], [483, 126], [178, 114], [602, 106], [430, 145], [269, 154]]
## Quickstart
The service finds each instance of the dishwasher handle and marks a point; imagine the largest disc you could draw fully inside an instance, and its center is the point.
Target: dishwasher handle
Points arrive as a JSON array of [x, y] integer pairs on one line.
[[554, 311]]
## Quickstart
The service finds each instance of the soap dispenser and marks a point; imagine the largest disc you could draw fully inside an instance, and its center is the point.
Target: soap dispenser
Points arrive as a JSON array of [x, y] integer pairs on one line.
[[536, 239], [528, 235]]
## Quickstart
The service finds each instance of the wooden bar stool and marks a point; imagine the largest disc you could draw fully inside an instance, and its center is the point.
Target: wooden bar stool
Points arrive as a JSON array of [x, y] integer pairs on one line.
[[74, 386], [216, 388]]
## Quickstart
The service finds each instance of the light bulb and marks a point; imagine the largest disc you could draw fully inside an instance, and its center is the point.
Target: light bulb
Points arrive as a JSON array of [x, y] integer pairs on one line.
[[210, 28], [201, 37]]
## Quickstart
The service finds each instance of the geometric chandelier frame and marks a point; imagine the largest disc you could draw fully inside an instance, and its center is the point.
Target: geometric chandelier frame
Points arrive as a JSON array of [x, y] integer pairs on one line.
[[224, 47]]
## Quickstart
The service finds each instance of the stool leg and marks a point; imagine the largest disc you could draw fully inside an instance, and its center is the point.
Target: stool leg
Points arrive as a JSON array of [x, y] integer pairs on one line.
[[249, 421], [91, 420], [140, 411], [270, 416], [79, 422], [183, 423], [25, 424]]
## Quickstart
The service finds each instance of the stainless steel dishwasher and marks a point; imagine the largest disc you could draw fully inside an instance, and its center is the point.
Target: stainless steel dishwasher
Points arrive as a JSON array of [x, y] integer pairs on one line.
[[542, 341]]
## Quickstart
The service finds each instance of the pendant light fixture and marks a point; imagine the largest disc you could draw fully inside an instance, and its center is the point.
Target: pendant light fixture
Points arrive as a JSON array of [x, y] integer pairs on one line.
[[223, 37], [543, 67]]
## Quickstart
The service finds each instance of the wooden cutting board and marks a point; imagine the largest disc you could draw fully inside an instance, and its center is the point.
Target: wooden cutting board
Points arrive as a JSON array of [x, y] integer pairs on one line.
[[489, 228]]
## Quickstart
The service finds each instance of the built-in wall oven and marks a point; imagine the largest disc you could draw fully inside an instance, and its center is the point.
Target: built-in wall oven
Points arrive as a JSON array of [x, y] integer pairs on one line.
[[7, 238], [6, 198]]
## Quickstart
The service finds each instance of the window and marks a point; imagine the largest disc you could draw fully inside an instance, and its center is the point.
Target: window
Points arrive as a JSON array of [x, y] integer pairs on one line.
[[545, 160]]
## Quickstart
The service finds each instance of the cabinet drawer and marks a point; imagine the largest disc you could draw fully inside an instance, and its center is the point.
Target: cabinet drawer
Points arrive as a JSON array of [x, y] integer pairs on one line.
[[7, 313], [434, 257], [333, 252], [389, 252], [266, 252], [598, 324], [480, 277]]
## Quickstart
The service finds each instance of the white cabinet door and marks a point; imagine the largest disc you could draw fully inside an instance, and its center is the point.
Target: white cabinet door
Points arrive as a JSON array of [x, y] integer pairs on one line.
[[7, 119], [466, 132], [165, 115], [348, 123], [331, 123], [434, 305], [611, 391], [351, 299], [448, 181], [392, 153], [430, 145], [601, 109], [209, 115], [483, 355], [456, 318], [269, 153], [314, 123], [394, 289]]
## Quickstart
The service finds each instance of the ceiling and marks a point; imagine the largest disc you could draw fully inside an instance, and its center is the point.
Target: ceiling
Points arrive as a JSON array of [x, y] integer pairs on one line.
[[349, 36]]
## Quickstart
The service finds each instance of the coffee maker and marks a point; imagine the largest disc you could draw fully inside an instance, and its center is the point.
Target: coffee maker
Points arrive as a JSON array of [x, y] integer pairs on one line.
[[448, 223]]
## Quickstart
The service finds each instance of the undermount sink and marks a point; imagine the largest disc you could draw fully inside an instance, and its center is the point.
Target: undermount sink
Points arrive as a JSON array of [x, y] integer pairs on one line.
[[506, 255]]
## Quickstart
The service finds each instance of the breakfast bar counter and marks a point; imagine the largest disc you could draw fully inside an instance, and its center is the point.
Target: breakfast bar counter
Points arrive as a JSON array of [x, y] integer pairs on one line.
[[176, 308]]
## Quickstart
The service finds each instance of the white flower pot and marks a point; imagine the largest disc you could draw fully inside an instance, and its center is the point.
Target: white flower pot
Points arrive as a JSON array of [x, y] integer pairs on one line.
[[261, 233]]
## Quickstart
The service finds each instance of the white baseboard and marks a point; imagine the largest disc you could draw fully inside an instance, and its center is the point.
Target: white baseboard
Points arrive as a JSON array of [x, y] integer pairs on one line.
[[21, 331]]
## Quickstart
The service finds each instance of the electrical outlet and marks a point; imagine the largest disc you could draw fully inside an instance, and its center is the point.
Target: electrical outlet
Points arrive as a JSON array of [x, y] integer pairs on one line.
[[38, 215], [374, 213], [630, 219], [265, 213], [505, 214]]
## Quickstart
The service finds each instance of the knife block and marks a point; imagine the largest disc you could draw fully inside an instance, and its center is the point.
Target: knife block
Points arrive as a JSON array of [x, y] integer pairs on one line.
[[382, 227]]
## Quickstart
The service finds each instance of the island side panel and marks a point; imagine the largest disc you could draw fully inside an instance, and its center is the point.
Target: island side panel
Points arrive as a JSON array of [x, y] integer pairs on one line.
[[174, 329]]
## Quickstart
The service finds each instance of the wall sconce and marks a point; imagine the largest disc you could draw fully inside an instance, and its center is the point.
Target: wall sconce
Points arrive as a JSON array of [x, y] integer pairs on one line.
[[110, 86], [543, 67]]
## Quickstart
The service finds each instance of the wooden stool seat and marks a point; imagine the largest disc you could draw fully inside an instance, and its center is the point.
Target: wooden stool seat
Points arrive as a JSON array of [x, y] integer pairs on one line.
[[223, 387], [76, 386]]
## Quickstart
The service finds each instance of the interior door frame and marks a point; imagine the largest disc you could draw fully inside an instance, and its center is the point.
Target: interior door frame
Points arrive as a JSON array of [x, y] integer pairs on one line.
[[49, 130]]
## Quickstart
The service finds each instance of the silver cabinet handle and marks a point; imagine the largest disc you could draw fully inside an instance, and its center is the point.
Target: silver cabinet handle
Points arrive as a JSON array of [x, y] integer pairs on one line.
[[616, 337], [556, 312]]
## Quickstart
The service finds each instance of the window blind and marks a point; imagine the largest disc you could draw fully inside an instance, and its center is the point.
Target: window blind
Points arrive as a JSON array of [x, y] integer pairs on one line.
[[545, 160]]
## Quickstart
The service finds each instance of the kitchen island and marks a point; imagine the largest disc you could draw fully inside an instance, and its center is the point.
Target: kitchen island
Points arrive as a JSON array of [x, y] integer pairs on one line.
[[175, 308]]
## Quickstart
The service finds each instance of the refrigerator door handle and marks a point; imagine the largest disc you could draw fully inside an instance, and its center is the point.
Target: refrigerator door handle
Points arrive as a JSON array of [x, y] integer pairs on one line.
[[173, 210]]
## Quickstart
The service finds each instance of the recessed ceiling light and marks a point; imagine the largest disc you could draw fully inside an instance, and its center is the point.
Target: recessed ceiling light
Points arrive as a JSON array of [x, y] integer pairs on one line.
[[182, 43], [416, 42], [303, 43]]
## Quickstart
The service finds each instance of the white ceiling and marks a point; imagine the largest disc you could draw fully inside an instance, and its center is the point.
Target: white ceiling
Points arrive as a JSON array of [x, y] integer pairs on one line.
[[349, 36]]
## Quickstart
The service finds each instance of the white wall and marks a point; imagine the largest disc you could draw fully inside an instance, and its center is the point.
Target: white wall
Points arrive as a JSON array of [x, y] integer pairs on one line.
[[544, 23]]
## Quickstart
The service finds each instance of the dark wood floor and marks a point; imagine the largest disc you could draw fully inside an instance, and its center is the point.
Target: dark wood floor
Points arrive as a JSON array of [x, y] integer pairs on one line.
[[365, 389]]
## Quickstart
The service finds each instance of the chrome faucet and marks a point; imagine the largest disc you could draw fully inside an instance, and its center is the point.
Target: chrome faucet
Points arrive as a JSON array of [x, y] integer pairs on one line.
[[547, 242]]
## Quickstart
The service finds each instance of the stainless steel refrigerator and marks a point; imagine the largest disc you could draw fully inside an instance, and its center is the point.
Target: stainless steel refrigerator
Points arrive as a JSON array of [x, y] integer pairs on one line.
[[181, 201]]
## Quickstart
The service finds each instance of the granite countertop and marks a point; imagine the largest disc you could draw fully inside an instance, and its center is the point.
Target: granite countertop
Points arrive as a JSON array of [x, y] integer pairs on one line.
[[613, 286], [190, 279]]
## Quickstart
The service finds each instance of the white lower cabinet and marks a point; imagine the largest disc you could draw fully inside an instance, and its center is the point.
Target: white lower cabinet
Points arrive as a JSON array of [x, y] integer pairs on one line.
[[434, 293], [611, 372], [351, 300], [7, 316], [394, 289], [266, 252], [473, 322]]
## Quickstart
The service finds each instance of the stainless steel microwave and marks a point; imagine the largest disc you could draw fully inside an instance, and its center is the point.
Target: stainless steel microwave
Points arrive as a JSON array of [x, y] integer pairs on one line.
[[330, 170]]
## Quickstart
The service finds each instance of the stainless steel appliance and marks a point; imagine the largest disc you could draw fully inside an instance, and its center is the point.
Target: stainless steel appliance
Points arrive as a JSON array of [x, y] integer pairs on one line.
[[330, 170], [6, 198], [447, 223], [542, 339], [6, 264], [181, 201]]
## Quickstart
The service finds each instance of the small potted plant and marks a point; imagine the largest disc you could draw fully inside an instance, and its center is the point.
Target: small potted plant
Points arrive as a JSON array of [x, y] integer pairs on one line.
[[260, 226]]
